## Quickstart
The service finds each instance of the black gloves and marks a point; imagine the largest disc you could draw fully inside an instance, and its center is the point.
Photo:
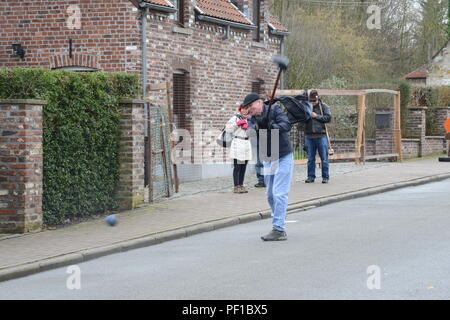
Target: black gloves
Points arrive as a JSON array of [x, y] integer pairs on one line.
[[265, 123]]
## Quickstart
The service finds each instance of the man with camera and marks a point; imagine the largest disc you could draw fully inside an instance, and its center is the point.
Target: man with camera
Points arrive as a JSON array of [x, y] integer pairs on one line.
[[316, 139]]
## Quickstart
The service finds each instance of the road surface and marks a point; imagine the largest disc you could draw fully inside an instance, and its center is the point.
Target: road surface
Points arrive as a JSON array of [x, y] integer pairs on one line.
[[394, 245]]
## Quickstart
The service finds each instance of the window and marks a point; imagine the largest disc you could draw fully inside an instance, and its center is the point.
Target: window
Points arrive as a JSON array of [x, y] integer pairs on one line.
[[257, 20], [257, 86], [179, 15], [181, 101], [238, 4]]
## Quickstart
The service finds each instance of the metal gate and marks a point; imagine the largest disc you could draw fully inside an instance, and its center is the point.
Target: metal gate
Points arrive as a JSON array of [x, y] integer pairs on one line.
[[158, 164]]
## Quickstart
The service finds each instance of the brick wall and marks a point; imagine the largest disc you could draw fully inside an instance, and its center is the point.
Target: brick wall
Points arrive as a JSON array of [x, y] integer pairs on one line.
[[21, 165], [433, 145], [106, 35], [220, 74], [442, 114], [416, 123], [416, 128], [131, 154], [348, 146], [220, 71], [410, 148]]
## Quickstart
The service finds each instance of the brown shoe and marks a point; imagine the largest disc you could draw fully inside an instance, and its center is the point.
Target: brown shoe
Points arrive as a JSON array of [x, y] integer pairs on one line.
[[243, 190]]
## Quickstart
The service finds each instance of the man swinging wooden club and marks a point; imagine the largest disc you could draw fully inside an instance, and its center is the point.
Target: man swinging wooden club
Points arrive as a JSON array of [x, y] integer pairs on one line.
[[279, 160]]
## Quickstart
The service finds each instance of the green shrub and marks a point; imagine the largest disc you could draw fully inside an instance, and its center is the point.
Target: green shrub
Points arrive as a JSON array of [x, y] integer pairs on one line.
[[405, 98], [444, 97], [81, 127], [430, 97]]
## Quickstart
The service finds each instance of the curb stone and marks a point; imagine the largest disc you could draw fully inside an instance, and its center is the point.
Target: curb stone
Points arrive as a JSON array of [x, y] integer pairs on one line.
[[204, 227], [27, 269], [138, 243], [170, 235], [249, 218], [228, 222], [65, 260], [19, 271], [95, 253]]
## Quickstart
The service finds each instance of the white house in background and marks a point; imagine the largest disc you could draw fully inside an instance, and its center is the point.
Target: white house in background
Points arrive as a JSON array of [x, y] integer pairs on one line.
[[434, 73], [439, 69]]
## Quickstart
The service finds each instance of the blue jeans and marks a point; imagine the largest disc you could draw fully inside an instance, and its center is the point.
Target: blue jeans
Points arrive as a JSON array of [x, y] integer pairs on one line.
[[259, 167], [278, 177], [312, 147]]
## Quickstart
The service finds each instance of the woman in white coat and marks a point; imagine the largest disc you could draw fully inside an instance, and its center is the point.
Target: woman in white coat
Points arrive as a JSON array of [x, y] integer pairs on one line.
[[240, 149]]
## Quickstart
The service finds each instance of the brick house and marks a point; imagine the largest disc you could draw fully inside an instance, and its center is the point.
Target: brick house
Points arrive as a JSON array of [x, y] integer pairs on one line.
[[212, 52]]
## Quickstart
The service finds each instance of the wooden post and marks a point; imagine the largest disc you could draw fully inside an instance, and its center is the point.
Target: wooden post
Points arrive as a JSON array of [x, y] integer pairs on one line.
[[172, 143], [361, 127], [447, 137], [397, 128], [162, 136], [149, 155], [364, 138]]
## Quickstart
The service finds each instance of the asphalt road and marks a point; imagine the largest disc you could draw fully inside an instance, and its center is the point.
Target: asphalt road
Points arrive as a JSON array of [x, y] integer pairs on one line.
[[394, 245]]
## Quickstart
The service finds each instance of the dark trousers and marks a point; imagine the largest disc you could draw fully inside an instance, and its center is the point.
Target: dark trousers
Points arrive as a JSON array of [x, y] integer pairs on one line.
[[239, 172], [259, 167]]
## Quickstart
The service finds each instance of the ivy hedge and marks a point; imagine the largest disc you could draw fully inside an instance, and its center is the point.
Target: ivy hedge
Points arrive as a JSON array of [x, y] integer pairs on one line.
[[432, 98], [80, 128]]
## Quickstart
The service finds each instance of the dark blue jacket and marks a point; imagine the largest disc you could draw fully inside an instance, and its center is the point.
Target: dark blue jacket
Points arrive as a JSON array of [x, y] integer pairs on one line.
[[279, 121]]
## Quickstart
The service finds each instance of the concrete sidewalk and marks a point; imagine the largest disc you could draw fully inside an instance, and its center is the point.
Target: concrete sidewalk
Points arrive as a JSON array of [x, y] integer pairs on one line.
[[184, 216]]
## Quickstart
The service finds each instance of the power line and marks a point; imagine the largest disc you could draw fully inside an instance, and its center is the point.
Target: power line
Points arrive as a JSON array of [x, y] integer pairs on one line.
[[342, 3]]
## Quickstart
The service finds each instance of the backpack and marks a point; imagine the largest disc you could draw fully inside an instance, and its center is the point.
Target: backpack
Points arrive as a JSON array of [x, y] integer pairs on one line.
[[298, 108], [224, 139]]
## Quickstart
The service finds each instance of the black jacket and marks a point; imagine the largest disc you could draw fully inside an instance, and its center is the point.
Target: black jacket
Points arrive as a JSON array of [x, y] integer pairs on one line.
[[317, 125], [279, 121]]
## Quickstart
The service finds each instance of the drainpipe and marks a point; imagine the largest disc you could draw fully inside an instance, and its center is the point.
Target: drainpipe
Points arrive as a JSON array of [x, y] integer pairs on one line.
[[144, 51], [282, 53]]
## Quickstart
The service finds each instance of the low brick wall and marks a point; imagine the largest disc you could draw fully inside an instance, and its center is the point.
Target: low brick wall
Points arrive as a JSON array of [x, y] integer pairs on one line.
[[434, 145], [410, 148], [442, 114], [341, 146], [415, 125], [21, 165]]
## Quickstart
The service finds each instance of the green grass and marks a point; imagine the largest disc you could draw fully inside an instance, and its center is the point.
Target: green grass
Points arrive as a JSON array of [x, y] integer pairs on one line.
[[298, 155]]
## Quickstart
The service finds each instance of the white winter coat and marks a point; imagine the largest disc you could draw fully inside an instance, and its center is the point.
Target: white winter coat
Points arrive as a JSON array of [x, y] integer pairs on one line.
[[240, 148]]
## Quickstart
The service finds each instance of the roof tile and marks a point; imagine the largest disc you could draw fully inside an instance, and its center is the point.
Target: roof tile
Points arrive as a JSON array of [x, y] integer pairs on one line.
[[221, 9], [420, 73], [163, 3], [275, 25]]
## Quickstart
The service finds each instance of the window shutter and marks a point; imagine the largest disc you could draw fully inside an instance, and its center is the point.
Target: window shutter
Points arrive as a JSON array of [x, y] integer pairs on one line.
[[181, 104], [257, 86], [181, 12], [257, 20]]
